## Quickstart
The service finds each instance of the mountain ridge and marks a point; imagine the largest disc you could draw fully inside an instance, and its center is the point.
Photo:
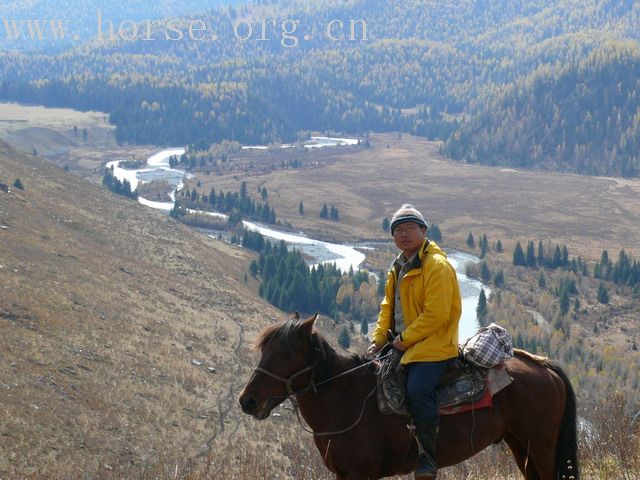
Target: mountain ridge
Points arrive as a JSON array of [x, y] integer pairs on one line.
[[417, 67]]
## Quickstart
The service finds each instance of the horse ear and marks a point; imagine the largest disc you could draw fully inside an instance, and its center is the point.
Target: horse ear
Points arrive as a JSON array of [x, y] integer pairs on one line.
[[295, 316], [307, 325]]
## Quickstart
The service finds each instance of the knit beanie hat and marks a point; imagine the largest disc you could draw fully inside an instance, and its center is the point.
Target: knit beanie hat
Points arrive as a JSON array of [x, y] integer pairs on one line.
[[405, 214]]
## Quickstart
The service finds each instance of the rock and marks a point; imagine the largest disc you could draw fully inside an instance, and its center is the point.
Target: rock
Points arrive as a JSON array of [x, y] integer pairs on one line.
[[195, 362], [211, 369]]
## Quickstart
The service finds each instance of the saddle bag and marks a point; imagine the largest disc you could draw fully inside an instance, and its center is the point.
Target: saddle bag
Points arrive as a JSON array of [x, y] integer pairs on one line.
[[391, 378], [491, 346]]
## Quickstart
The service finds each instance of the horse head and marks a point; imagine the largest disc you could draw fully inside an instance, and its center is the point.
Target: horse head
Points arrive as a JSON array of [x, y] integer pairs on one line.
[[286, 367]]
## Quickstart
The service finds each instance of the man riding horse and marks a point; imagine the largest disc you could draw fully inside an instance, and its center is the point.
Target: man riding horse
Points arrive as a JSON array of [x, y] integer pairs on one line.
[[421, 307]]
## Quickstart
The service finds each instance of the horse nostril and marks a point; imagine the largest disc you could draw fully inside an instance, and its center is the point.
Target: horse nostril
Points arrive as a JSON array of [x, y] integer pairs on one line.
[[248, 404]]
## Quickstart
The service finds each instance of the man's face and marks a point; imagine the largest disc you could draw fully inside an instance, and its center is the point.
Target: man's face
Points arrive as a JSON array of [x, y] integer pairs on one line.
[[409, 236]]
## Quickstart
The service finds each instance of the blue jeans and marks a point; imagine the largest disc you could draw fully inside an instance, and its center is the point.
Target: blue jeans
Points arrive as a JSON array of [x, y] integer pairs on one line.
[[422, 379]]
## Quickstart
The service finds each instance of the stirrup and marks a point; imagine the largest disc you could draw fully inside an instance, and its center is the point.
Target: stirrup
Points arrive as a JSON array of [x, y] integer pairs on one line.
[[426, 470]]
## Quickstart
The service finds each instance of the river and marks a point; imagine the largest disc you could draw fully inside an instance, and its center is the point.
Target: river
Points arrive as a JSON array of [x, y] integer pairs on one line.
[[345, 257]]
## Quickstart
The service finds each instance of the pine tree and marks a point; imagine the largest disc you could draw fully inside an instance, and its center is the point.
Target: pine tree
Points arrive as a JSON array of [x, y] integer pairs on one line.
[[481, 309], [498, 279], [603, 294], [531, 258], [301, 208], [564, 302], [364, 327], [324, 212], [484, 246], [540, 258], [175, 211], [382, 281], [385, 224], [565, 256], [434, 233], [542, 283], [485, 273], [596, 271], [471, 243], [18, 184], [499, 248], [344, 340], [253, 268], [518, 256], [557, 258]]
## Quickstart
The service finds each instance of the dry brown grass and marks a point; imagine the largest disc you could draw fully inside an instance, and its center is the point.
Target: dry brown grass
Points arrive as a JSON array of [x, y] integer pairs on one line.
[[54, 131], [104, 306]]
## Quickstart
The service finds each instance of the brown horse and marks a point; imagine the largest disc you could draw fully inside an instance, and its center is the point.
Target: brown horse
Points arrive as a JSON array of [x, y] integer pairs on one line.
[[535, 415]]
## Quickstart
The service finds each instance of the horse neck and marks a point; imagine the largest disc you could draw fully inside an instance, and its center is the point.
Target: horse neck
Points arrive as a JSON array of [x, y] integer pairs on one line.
[[319, 405]]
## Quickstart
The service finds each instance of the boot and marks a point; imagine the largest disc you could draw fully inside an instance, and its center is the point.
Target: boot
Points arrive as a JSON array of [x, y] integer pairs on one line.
[[427, 467]]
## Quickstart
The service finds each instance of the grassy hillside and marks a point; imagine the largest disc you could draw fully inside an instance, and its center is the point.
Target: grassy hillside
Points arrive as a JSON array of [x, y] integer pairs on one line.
[[125, 336], [51, 132]]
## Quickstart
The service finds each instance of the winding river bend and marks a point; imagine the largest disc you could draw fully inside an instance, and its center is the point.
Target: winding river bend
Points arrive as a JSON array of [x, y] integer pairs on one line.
[[344, 256]]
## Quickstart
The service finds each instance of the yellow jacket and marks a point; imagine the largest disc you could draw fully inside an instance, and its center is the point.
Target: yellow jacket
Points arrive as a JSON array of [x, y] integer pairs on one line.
[[431, 306]]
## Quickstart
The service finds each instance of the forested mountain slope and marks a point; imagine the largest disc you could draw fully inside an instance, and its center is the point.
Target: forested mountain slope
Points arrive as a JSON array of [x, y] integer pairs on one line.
[[582, 117], [80, 19], [273, 72]]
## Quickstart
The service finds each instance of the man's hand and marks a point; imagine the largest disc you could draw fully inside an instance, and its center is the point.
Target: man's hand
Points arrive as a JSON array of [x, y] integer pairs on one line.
[[397, 344], [373, 349]]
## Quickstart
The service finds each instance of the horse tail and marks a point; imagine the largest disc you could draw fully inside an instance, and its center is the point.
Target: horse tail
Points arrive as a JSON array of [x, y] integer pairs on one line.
[[567, 448]]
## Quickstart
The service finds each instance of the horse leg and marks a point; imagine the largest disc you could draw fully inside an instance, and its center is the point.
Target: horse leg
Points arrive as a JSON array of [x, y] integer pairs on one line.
[[544, 461], [522, 454]]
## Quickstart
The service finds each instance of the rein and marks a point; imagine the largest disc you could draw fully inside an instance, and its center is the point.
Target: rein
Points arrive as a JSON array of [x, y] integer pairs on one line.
[[312, 385]]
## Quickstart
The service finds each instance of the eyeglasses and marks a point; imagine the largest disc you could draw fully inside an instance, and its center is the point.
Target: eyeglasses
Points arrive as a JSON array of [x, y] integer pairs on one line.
[[405, 230]]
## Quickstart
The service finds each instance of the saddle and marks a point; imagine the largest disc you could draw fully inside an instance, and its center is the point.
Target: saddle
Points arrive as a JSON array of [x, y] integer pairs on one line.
[[463, 387]]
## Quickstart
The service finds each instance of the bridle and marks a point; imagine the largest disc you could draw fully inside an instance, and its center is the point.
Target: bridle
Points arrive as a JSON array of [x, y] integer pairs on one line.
[[288, 382], [312, 385]]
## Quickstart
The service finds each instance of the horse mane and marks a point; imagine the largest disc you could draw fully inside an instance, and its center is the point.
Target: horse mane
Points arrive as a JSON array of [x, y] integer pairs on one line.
[[287, 331], [284, 331]]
